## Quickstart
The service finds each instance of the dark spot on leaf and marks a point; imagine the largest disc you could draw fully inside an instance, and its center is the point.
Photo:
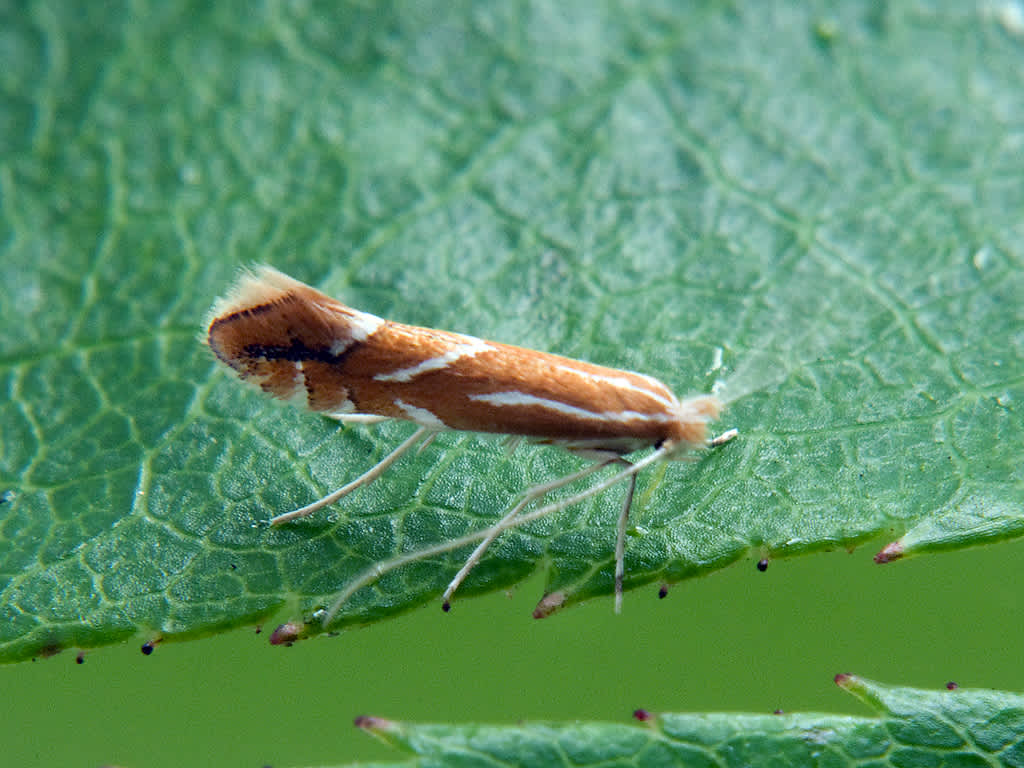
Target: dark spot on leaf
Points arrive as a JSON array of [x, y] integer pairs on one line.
[[370, 723], [762, 564], [285, 634], [890, 552], [50, 649]]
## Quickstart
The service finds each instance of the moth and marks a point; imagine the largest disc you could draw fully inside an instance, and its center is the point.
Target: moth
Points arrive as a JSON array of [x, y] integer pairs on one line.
[[298, 344]]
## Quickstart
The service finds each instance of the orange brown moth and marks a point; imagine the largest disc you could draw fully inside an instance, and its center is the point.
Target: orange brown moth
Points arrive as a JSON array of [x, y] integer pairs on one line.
[[298, 344]]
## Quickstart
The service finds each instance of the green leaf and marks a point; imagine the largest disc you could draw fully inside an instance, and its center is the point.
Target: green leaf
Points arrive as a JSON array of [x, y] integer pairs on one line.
[[910, 727], [826, 199]]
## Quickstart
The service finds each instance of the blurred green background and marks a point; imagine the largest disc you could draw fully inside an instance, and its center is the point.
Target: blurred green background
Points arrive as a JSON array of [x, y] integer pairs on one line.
[[740, 640]]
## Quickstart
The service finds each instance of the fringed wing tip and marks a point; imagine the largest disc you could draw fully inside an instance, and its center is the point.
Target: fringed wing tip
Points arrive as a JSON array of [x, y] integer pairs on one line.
[[254, 285]]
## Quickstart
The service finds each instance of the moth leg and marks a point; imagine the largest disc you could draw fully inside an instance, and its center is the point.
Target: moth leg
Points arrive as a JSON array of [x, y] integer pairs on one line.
[[358, 418], [620, 540], [425, 443], [377, 570], [364, 479], [511, 443], [531, 495], [723, 438]]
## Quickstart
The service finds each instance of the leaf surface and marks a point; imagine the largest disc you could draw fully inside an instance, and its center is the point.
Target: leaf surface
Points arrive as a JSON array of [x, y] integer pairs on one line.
[[817, 206], [909, 727]]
